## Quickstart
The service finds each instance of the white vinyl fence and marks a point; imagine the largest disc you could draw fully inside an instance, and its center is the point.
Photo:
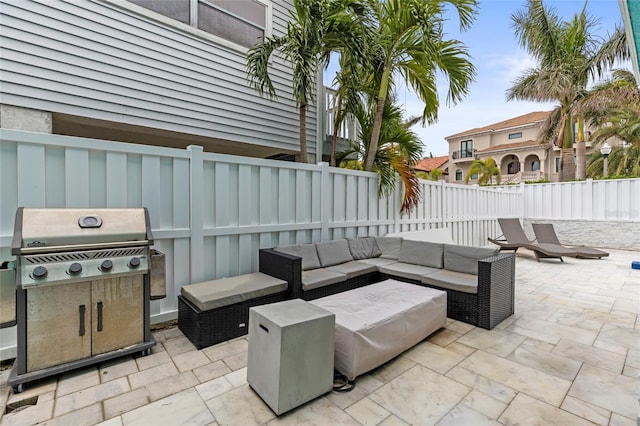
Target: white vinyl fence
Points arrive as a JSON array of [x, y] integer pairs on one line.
[[210, 213], [601, 213]]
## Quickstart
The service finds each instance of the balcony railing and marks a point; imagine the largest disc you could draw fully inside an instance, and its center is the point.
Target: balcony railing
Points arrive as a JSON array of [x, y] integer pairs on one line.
[[349, 128], [463, 153]]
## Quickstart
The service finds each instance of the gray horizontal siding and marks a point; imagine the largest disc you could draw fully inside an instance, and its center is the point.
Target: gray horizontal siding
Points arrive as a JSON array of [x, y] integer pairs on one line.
[[93, 59]]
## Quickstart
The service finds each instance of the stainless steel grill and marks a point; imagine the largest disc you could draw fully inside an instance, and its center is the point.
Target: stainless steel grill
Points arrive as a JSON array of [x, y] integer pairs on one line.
[[82, 288]]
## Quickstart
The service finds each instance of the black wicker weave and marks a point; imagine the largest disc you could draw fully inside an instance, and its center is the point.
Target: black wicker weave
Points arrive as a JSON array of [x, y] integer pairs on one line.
[[494, 300], [206, 328]]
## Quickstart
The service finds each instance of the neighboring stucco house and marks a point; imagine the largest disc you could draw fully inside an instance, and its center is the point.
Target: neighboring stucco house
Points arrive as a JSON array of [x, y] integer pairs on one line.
[[515, 146], [432, 163], [169, 73]]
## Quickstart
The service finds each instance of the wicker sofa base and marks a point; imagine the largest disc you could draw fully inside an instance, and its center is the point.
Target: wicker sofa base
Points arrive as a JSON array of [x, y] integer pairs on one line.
[[350, 284], [206, 328]]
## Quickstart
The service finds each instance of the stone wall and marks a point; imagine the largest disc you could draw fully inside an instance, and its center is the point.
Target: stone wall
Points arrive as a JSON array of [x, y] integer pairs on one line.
[[622, 235]]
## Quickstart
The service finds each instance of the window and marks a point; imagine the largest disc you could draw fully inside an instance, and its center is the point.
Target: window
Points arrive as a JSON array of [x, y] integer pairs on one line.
[[474, 176], [458, 174], [558, 165], [513, 167], [243, 22], [466, 149], [517, 135], [535, 165]]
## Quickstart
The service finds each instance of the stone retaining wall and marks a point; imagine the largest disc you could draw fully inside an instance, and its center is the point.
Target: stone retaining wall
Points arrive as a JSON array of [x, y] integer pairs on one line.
[[622, 235]]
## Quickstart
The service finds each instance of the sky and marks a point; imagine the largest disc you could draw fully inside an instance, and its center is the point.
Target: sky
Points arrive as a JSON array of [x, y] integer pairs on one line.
[[499, 60]]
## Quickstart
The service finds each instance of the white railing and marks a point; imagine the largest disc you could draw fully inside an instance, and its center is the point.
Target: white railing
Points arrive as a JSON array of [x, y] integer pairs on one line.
[[348, 129]]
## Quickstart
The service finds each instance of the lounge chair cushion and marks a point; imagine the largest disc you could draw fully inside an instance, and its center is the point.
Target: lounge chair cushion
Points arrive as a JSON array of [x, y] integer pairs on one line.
[[363, 248], [353, 269], [465, 259], [307, 252], [459, 281], [389, 246], [333, 252], [421, 253], [316, 278], [229, 291], [407, 270]]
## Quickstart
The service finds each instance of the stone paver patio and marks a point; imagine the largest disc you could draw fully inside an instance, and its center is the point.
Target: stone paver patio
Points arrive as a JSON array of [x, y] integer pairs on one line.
[[570, 355]]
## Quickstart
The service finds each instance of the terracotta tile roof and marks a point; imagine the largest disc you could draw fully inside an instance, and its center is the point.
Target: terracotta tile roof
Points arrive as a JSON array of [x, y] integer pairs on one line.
[[530, 118], [508, 146], [428, 164]]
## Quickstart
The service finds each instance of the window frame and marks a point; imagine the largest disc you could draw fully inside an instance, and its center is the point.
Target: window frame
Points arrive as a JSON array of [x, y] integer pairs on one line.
[[461, 174], [463, 151], [515, 135], [194, 30]]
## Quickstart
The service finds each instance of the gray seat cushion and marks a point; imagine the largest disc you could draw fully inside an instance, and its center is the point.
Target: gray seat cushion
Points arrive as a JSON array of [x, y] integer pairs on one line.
[[333, 252], [363, 248], [352, 269], [389, 247], [464, 258], [466, 283], [407, 270], [316, 278], [422, 253], [307, 252], [378, 261], [228, 291]]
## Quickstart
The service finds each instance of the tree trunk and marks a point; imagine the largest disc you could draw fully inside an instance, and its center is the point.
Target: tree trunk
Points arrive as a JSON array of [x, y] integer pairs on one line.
[[334, 142], [375, 136], [581, 151], [303, 134], [567, 165], [377, 122]]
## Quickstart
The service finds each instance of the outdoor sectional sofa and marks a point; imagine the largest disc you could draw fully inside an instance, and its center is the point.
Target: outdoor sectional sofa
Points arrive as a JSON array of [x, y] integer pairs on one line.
[[479, 282]]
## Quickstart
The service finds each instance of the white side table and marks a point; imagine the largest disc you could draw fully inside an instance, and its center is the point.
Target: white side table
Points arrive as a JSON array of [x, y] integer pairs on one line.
[[291, 351]]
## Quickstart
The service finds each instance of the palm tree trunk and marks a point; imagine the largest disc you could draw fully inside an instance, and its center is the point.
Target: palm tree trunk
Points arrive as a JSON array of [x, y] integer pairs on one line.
[[581, 151], [303, 133], [567, 163], [377, 121], [334, 142]]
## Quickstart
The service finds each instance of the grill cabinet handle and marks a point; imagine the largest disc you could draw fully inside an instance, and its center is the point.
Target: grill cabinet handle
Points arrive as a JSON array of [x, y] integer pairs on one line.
[[82, 310], [99, 316]]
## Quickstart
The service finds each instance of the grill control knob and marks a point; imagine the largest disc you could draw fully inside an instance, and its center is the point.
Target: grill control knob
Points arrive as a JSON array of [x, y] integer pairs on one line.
[[39, 272], [106, 266], [75, 268], [134, 262]]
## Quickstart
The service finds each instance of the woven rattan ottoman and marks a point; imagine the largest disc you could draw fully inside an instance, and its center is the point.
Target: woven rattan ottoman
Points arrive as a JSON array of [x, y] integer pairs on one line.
[[214, 311]]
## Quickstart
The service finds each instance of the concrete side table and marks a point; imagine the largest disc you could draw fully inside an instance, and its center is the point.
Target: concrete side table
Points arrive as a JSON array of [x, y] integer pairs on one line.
[[291, 351]]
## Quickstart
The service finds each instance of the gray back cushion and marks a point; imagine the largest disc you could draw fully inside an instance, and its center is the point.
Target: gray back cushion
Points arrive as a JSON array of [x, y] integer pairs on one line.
[[422, 253], [363, 248], [389, 246], [464, 258], [333, 252], [307, 252]]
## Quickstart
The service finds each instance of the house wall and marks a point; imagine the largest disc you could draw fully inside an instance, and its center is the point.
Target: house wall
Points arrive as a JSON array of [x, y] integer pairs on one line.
[[99, 60]]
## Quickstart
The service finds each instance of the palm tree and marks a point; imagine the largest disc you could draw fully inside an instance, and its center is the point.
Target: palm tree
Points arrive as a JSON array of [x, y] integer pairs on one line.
[[316, 28], [624, 124], [619, 91], [486, 169], [568, 54], [399, 151], [409, 41]]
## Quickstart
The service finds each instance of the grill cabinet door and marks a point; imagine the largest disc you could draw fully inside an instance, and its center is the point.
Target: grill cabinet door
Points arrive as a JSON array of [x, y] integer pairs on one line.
[[117, 313], [58, 324]]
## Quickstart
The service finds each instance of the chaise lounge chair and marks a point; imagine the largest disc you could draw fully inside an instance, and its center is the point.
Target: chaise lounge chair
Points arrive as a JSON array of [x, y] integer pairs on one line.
[[515, 238], [545, 233]]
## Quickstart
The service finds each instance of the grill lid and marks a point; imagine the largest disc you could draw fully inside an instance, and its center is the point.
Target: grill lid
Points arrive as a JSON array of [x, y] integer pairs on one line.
[[41, 230]]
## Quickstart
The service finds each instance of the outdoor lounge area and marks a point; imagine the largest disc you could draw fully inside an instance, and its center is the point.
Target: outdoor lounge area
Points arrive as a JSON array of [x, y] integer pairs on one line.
[[569, 355]]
